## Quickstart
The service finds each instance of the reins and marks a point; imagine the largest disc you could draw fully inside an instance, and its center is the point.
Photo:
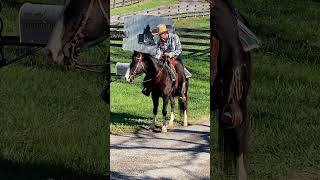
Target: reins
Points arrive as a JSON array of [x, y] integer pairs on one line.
[[79, 35], [135, 71]]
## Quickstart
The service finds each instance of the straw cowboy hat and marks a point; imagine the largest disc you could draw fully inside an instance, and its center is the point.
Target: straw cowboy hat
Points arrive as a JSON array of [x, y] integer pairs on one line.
[[161, 28]]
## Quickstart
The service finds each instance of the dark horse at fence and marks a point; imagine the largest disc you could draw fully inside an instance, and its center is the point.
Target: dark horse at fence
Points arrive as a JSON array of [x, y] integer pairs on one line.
[[230, 82], [83, 23], [162, 86]]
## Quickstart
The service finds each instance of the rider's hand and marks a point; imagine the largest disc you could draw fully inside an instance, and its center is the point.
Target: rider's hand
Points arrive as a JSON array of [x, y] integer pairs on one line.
[[167, 54]]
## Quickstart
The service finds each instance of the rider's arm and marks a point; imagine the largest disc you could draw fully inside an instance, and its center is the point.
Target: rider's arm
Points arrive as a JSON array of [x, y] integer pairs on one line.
[[177, 47]]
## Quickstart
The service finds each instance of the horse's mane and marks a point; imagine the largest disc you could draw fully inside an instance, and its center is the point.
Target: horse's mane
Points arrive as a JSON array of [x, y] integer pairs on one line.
[[153, 59]]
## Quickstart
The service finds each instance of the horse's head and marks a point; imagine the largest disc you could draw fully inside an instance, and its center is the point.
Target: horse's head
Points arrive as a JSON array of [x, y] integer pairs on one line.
[[82, 21], [137, 66]]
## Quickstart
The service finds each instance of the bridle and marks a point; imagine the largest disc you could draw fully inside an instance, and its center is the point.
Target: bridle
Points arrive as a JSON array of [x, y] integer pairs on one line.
[[139, 58], [69, 47], [139, 62]]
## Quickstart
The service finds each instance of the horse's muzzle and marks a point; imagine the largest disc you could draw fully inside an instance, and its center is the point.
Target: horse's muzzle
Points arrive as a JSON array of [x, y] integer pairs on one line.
[[128, 76], [53, 56]]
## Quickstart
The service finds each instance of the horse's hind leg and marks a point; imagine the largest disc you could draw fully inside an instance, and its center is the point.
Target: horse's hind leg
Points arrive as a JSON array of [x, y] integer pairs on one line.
[[172, 112], [183, 103], [164, 114], [155, 100], [185, 118]]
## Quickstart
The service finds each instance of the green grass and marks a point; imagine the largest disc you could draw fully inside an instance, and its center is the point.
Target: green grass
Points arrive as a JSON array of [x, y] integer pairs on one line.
[[53, 120], [284, 102], [147, 4], [132, 111], [193, 22]]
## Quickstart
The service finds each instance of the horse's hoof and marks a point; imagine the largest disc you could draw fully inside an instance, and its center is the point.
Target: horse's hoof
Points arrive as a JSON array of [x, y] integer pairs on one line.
[[185, 124], [164, 129]]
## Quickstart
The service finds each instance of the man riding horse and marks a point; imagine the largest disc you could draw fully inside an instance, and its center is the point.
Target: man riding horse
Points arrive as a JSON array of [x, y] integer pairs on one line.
[[168, 49]]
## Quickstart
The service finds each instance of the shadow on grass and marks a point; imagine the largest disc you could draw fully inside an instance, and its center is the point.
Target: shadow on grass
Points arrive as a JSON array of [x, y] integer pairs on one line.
[[128, 119], [42, 170]]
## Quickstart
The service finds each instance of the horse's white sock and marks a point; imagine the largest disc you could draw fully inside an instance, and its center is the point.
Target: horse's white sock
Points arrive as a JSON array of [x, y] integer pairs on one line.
[[241, 170], [185, 119], [171, 118]]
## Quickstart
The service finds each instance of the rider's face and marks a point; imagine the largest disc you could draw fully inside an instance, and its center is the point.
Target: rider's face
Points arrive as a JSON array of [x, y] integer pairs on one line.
[[164, 37]]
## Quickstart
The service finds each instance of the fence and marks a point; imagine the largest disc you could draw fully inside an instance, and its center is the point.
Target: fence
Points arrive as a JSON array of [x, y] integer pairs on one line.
[[176, 11], [123, 3], [192, 40]]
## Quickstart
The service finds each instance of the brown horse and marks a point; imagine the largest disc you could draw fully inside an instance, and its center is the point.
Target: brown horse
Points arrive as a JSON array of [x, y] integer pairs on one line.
[[157, 76], [83, 23], [230, 82]]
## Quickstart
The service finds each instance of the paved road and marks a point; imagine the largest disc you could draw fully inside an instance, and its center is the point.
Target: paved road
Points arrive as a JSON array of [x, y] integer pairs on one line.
[[182, 153]]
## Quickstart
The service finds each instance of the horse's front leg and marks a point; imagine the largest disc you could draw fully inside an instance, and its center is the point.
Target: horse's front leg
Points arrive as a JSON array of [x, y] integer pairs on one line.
[[164, 113], [155, 100], [242, 135], [241, 168], [172, 112]]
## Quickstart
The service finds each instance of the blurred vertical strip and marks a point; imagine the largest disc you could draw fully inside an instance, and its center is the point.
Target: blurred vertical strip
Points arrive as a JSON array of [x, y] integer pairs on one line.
[[107, 85]]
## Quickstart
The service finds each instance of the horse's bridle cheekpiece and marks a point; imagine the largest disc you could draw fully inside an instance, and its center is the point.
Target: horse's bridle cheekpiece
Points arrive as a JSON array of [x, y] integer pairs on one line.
[[79, 35], [140, 58], [139, 62]]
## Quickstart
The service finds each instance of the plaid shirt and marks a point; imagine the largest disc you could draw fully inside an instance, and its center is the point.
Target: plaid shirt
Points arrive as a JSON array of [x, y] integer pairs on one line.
[[172, 46]]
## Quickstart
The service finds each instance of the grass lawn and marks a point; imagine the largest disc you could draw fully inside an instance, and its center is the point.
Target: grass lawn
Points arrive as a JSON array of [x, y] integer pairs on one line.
[[147, 4], [284, 102], [53, 121], [132, 111]]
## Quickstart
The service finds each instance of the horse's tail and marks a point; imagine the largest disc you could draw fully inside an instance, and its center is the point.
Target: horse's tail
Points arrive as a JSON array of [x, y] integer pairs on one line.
[[183, 102]]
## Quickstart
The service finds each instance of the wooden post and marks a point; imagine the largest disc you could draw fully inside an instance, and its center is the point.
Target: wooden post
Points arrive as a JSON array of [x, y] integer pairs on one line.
[[114, 3], [123, 3]]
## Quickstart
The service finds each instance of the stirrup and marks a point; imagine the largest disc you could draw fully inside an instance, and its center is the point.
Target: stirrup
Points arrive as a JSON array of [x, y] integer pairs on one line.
[[184, 98], [187, 73], [146, 91]]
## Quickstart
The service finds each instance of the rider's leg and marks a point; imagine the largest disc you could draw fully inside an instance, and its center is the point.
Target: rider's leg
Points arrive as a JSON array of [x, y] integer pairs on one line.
[[146, 91], [182, 79], [186, 72]]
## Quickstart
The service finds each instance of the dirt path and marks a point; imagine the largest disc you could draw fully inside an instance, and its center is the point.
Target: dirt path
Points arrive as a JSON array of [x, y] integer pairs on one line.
[[182, 153]]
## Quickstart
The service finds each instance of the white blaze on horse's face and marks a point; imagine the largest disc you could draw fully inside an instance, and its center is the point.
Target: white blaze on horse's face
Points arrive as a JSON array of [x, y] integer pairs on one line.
[[127, 76], [54, 46]]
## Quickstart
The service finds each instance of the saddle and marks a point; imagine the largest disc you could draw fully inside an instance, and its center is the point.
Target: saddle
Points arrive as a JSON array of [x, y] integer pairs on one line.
[[173, 63]]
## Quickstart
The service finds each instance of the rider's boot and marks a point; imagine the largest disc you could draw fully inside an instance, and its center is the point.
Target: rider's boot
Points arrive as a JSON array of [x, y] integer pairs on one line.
[[146, 91]]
